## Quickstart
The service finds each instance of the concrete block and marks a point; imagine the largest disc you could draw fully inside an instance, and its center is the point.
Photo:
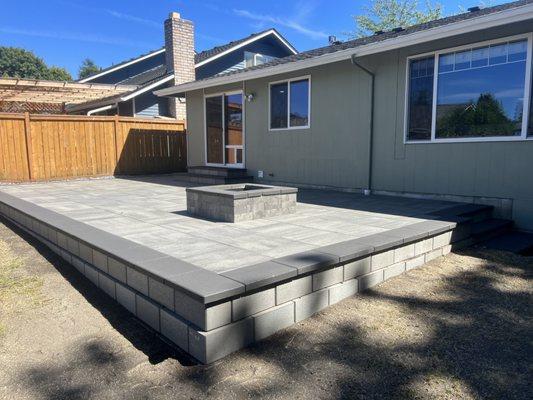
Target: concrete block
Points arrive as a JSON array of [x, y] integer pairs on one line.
[[86, 253], [294, 289], [433, 254], [272, 320], [125, 297], [393, 270], [91, 273], [415, 262], [210, 346], [116, 269], [78, 264], [161, 293], [404, 253], [147, 311], [62, 240], [382, 260], [65, 255], [107, 285], [174, 329], [137, 280], [356, 268], [262, 274], [100, 260], [73, 246], [424, 246], [327, 278], [205, 318], [343, 290], [442, 240], [253, 303], [446, 250], [309, 304], [369, 280]]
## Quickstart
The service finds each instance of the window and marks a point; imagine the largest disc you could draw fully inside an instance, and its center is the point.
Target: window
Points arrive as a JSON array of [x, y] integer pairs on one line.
[[420, 98], [253, 59], [478, 93], [289, 104]]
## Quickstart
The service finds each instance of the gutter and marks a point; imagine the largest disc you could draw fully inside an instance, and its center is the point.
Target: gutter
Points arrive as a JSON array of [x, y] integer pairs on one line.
[[104, 108], [477, 23], [368, 190]]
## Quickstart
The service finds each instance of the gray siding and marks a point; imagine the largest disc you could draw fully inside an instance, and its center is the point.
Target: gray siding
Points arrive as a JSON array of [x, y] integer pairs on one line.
[[334, 151]]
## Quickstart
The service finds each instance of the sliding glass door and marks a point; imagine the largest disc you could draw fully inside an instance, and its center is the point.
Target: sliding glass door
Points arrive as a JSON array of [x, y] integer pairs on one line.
[[224, 130]]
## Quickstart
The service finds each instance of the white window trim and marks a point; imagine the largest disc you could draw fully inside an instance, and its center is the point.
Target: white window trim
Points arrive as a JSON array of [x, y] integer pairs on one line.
[[224, 146], [527, 93], [288, 81]]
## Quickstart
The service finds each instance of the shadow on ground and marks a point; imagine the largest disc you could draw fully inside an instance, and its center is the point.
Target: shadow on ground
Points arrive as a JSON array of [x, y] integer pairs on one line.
[[448, 332]]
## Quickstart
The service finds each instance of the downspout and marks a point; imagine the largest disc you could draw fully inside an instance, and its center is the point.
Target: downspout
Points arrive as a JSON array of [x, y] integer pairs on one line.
[[368, 190]]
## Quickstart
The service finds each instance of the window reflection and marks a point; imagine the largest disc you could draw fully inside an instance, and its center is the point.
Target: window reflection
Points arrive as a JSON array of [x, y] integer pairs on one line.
[[420, 98], [299, 106], [481, 92], [278, 105]]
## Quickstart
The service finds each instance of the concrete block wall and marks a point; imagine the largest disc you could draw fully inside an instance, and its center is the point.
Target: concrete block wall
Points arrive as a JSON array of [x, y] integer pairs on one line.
[[213, 331]]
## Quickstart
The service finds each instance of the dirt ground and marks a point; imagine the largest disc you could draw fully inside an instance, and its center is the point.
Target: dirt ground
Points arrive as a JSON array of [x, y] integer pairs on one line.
[[460, 327]]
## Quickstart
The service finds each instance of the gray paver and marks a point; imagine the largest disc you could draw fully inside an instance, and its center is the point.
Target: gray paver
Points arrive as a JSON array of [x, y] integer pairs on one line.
[[343, 290], [356, 268], [147, 311], [116, 269], [253, 303], [206, 318], [100, 260], [107, 285], [310, 304], [125, 297], [394, 270], [137, 280], [175, 329], [262, 274], [296, 288], [272, 320], [382, 260], [327, 278], [161, 293], [369, 280]]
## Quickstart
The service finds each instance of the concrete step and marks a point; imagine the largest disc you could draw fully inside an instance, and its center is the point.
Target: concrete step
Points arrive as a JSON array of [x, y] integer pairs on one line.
[[213, 179], [218, 171], [490, 228], [513, 241], [467, 213]]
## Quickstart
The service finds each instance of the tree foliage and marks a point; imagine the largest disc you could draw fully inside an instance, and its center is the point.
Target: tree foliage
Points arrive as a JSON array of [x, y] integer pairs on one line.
[[88, 68], [19, 63], [384, 15]]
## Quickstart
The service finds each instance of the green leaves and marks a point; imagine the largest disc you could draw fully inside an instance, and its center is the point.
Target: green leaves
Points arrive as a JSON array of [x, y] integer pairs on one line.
[[88, 68], [385, 15], [19, 63]]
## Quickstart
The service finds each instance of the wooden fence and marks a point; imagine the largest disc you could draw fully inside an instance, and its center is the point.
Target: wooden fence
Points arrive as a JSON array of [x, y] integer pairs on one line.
[[44, 147]]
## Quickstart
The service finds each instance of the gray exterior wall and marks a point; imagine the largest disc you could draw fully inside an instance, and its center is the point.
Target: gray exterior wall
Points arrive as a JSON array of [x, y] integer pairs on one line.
[[334, 151]]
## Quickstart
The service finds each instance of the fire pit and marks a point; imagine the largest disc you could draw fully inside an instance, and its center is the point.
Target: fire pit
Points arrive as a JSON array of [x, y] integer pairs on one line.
[[241, 202]]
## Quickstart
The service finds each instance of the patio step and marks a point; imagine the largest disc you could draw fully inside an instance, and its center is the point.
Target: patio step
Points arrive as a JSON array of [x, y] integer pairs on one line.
[[490, 228], [204, 179], [232, 173]]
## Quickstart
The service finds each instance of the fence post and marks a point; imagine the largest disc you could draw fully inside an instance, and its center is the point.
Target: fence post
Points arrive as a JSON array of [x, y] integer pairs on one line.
[[116, 123], [27, 136]]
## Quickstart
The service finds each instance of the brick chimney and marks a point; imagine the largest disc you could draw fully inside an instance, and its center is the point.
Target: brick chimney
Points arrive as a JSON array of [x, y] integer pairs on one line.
[[179, 54]]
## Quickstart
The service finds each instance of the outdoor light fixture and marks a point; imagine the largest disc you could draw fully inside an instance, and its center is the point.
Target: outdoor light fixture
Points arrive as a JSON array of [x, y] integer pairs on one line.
[[250, 97]]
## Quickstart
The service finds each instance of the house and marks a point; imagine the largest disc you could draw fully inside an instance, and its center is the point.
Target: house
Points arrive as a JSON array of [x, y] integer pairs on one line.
[[437, 110], [175, 63]]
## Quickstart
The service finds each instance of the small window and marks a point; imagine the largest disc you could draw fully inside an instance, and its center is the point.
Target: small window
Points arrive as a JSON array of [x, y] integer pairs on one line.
[[289, 104], [420, 98]]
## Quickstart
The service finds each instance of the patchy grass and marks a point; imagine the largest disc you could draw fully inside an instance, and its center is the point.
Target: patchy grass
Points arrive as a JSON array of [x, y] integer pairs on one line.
[[18, 290]]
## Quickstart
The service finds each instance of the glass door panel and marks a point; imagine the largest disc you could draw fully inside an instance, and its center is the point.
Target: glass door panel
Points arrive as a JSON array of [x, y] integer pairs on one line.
[[215, 132], [233, 129]]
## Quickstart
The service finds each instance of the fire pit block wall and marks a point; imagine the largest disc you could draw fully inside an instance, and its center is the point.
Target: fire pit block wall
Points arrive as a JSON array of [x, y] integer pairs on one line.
[[241, 202]]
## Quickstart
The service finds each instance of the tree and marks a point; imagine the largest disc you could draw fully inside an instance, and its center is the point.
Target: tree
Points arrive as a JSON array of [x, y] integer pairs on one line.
[[19, 63], [384, 15], [88, 68]]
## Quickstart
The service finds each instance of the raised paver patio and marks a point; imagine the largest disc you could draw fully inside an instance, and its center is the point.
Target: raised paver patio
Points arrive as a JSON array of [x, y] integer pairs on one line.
[[214, 287], [152, 211]]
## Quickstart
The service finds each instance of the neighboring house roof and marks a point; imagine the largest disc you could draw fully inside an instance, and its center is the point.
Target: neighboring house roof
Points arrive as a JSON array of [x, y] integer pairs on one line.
[[462, 23], [203, 57], [147, 76]]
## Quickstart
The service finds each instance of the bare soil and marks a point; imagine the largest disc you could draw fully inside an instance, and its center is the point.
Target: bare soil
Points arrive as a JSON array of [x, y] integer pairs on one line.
[[459, 327]]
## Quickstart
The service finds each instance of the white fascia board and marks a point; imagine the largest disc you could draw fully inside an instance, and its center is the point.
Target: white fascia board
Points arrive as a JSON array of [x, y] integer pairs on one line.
[[247, 42], [113, 69], [147, 88], [504, 17]]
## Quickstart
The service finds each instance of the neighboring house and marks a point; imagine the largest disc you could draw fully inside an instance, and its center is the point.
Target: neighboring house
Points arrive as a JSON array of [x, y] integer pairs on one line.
[[176, 63], [440, 109]]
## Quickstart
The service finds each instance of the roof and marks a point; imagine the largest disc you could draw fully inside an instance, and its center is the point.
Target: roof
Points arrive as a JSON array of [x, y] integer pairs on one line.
[[199, 58], [146, 77], [444, 27], [208, 54], [37, 91]]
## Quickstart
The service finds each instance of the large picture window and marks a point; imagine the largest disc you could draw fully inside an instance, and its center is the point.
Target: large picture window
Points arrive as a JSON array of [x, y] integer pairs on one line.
[[289, 104], [478, 93]]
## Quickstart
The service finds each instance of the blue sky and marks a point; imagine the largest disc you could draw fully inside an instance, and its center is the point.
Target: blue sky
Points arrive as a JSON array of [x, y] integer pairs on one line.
[[64, 32]]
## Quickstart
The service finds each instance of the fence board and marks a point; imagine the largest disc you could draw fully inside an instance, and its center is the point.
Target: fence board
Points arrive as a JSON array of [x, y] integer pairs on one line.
[[38, 147]]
